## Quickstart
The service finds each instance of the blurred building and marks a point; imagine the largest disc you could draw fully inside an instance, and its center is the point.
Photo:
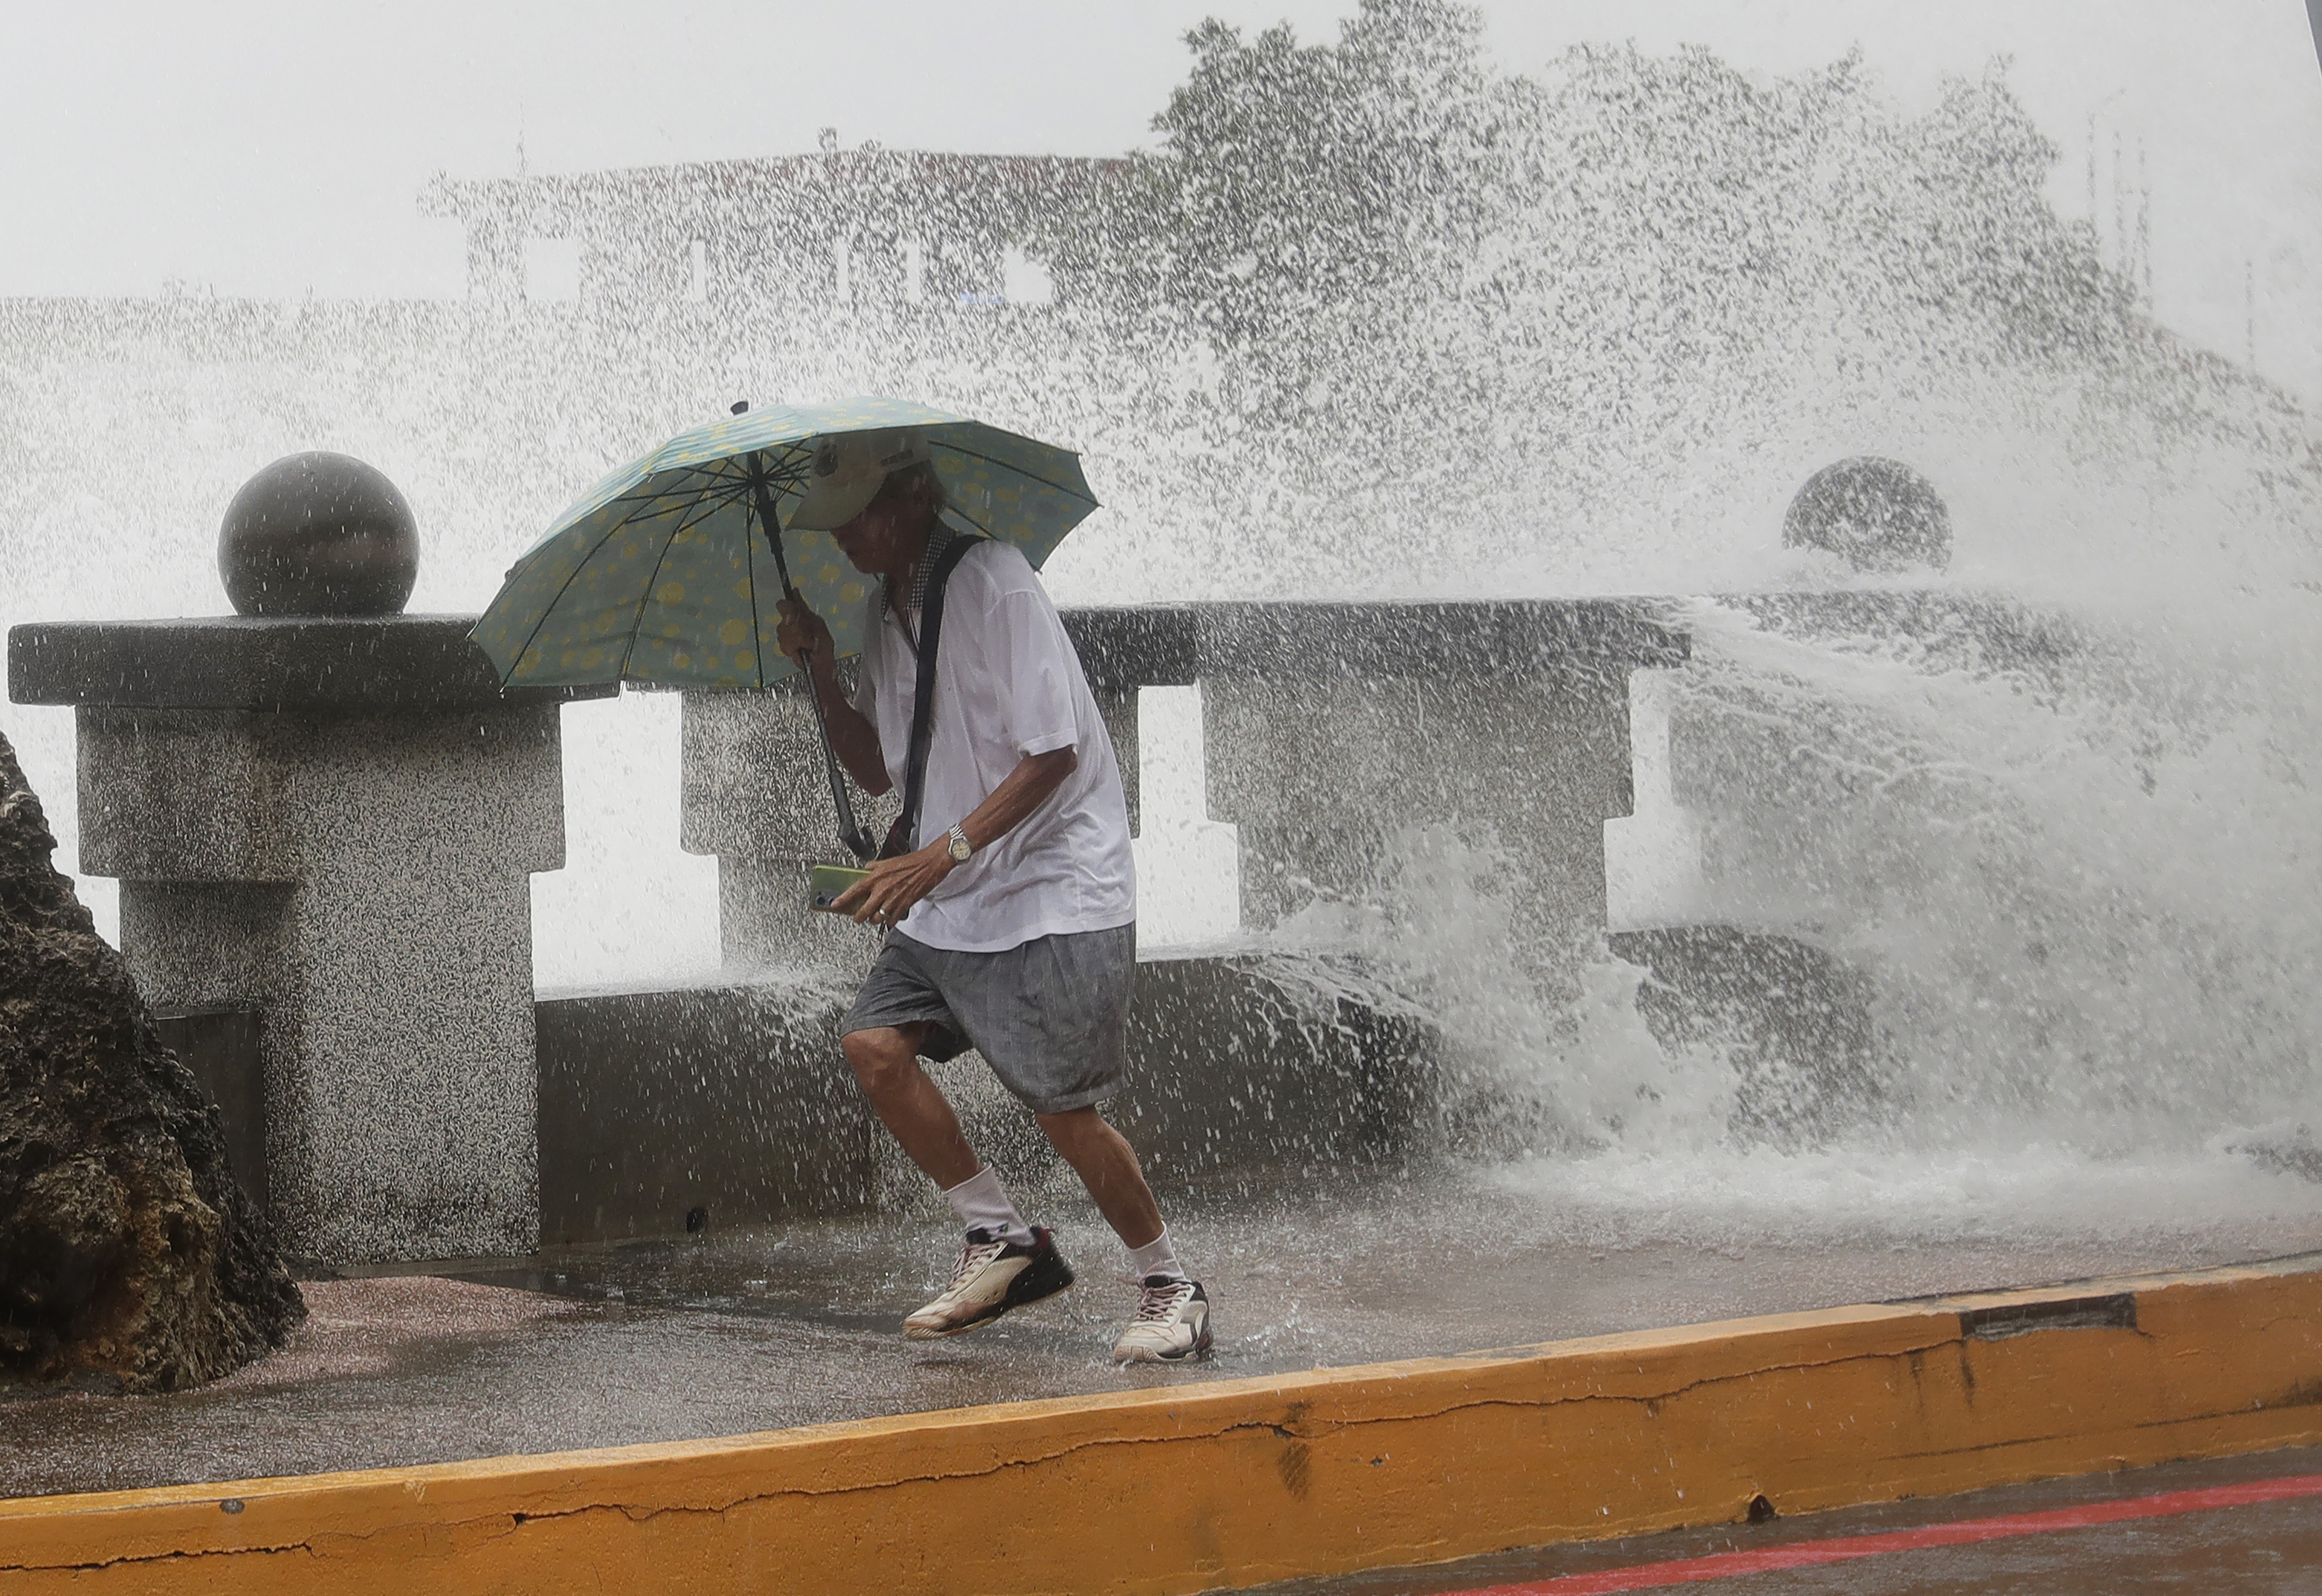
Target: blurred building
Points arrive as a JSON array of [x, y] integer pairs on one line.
[[866, 225]]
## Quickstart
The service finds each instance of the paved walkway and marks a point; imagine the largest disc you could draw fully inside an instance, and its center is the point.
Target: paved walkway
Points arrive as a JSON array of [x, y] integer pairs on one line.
[[727, 1334]]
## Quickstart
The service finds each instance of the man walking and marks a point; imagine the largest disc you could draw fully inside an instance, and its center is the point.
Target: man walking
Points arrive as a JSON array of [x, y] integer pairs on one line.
[[1012, 931]]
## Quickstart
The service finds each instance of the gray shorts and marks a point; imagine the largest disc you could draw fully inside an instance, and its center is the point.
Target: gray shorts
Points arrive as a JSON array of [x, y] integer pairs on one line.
[[1050, 1015]]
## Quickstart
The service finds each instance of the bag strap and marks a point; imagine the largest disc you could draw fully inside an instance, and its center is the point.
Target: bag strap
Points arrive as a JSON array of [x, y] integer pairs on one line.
[[904, 835]]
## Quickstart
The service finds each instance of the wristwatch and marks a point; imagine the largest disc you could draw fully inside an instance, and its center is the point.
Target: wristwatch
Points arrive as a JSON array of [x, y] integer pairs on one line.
[[961, 848]]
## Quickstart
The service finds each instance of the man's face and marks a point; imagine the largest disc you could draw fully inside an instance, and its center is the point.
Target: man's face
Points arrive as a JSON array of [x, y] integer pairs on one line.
[[887, 535]]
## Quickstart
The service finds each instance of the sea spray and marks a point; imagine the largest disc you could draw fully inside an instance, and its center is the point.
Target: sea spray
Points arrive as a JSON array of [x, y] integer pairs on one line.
[[1607, 317]]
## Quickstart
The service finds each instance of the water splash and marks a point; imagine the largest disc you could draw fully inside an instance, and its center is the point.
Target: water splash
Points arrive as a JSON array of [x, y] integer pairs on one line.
[[1594, 350]]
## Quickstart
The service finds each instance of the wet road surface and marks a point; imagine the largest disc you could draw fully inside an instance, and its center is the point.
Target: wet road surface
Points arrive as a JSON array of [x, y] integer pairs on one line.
[[2248, 1525]]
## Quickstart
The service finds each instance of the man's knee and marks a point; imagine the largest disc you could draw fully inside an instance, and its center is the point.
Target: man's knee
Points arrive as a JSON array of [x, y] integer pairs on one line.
[[880, 1057]]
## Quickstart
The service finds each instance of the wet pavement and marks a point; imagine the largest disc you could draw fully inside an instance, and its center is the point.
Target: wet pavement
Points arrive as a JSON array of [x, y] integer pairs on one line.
[[2188, 1534], [729, 1333]]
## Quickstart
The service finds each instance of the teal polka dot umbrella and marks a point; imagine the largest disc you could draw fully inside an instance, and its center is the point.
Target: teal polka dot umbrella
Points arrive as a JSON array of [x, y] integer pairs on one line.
[[667, 572]]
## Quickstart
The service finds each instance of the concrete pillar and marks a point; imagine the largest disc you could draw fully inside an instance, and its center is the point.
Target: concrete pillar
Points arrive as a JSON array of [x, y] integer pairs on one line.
[[335, 821], [756, 796], [1338, 735], [1652, 858]]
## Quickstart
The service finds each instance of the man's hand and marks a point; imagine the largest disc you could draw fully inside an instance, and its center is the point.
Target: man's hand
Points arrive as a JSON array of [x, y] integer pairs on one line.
[[799, 630], [886, 894], [800, 634]]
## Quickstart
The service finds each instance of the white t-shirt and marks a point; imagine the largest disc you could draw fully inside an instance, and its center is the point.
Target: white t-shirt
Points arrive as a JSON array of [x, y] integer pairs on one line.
[[1008, 684]]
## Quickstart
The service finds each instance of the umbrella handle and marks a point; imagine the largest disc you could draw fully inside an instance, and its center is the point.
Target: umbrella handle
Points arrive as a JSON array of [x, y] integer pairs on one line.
[[850, 834]]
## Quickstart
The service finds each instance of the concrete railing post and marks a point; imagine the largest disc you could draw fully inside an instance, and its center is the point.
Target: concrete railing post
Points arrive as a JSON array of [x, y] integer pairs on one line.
[[755, 795], [1339, 735], [334, 820]]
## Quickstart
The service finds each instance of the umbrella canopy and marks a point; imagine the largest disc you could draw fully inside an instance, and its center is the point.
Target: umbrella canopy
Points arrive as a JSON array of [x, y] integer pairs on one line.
[[660, 573]]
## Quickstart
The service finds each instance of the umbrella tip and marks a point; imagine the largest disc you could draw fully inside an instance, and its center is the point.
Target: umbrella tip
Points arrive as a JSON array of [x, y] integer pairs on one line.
[[740, 407]]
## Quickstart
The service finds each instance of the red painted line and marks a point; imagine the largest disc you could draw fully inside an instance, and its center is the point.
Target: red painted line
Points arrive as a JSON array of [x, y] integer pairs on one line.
[[1686, 1571]]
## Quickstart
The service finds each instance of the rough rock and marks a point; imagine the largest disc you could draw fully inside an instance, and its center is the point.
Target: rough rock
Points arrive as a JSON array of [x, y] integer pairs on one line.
[[129, 1258]]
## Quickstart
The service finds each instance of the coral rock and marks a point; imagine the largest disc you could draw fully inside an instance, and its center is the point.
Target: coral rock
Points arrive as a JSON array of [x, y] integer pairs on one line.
[[130, 1257]]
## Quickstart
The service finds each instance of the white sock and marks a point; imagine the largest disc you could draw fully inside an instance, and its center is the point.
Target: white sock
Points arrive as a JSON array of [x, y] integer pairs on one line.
[[1157, 1256], [982, 1203]]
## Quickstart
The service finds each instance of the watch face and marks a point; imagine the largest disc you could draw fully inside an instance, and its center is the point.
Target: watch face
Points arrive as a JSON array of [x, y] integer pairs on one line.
[[959, 848]]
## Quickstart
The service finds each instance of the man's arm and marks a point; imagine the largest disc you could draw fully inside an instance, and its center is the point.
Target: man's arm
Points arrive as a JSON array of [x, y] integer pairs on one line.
[[894, 885], [852, 735], [1025, 789]]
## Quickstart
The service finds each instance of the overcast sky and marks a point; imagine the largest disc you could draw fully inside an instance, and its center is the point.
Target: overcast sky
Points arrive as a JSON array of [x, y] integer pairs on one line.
[[271, 148]]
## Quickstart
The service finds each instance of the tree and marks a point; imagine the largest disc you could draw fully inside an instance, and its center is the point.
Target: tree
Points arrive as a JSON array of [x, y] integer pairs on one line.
[[1376, 291]]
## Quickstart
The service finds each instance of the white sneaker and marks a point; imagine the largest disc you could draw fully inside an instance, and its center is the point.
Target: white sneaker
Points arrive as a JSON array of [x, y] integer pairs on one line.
[[990, 1278], [1172, 1323]]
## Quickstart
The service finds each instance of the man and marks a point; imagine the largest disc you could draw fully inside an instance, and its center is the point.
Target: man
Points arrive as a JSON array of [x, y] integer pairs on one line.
[[1010, 926]]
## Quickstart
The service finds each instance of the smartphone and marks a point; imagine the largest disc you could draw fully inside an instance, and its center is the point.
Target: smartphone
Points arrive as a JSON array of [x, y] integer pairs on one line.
[[825, 882]]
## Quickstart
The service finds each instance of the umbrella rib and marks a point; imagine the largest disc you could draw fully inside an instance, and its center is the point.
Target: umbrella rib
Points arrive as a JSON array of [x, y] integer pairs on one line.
[[632, 498], [1007, 465], [971, 520], [548, 541], [638, 494], [724, 493], [720, 491], [694, 514], [713, 501], [716, 484], [565, 587], [642, 496]]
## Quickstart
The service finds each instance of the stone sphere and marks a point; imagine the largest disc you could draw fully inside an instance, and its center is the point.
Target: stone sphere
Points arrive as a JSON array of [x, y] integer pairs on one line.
[[1878, 514], [318, 534]]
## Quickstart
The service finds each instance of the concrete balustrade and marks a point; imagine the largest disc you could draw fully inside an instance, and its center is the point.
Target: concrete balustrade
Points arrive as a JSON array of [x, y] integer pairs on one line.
[[329, 824], [1334, 733], [333, 822]]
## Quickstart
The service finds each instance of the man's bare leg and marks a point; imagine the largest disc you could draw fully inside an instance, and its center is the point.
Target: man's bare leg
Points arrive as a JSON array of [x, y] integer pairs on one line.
[[1173, 1311], [887, 1063], [1107, 1165], [995, 1273]]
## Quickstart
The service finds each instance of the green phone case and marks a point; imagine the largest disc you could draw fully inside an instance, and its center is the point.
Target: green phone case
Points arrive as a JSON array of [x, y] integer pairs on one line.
[[825, 882]]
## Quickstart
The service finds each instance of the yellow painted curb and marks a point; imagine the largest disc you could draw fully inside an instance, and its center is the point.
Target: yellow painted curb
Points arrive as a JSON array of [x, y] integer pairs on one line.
[[1238, 1483]]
